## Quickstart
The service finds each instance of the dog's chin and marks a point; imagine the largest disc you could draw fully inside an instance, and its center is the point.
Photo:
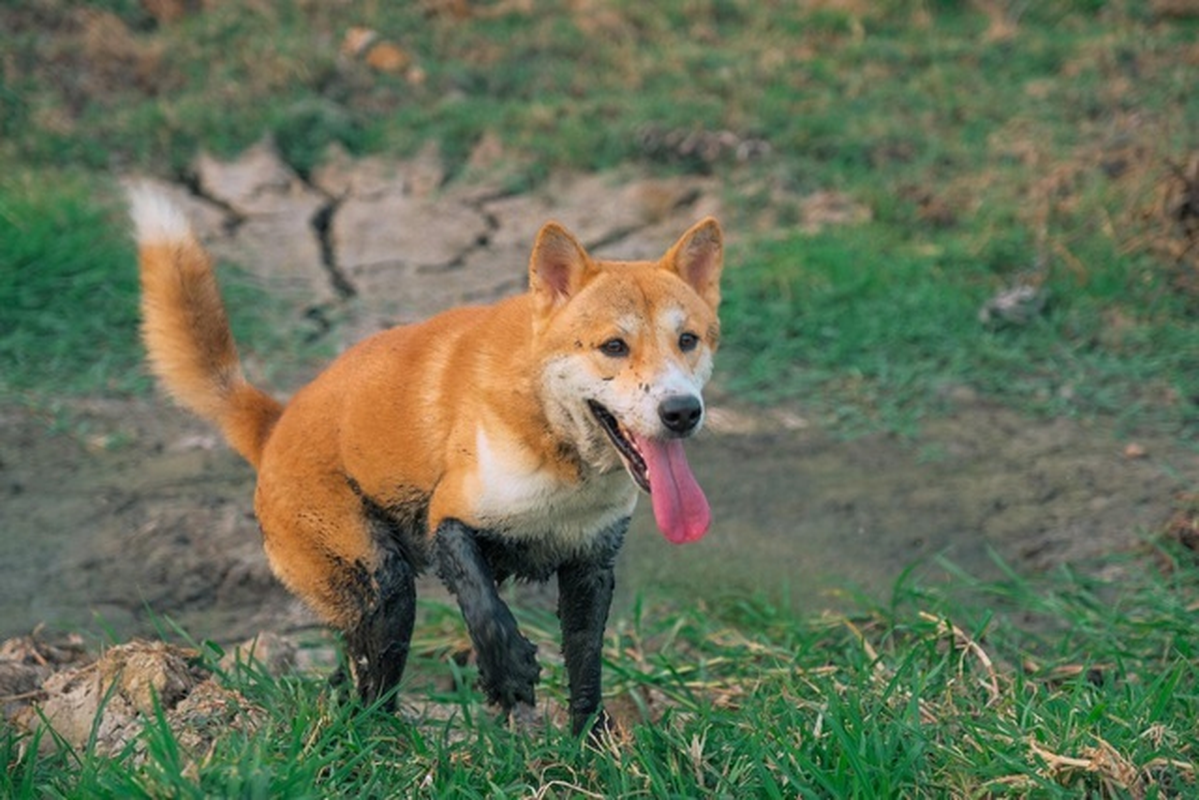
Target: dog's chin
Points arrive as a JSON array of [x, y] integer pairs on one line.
[[630, 456]]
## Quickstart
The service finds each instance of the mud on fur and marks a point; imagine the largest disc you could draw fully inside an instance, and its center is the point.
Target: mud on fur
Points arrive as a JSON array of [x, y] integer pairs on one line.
[[485, 443]]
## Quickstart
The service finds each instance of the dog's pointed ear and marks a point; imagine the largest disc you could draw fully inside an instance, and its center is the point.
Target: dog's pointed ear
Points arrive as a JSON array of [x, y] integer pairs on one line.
[[556, 268], [698, 257]]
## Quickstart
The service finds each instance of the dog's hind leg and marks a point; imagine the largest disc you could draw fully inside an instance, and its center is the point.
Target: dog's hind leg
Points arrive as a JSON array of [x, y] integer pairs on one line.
[[348, 562], [508, 668], [377, 644], [584, 597]]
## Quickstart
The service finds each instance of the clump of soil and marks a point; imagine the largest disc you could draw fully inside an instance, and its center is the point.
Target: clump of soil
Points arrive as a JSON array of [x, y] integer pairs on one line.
[[27, 661], [48, 683]]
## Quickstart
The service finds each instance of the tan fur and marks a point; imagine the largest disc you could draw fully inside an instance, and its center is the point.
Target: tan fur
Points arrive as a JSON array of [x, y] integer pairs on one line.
[[399, 419], [191, 348]]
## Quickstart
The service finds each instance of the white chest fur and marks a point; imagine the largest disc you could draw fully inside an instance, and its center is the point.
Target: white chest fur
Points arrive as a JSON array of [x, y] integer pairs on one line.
[[520, 498]]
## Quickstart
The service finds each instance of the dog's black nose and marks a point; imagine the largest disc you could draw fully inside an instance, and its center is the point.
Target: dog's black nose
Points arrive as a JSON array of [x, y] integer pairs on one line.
[[680, 413]]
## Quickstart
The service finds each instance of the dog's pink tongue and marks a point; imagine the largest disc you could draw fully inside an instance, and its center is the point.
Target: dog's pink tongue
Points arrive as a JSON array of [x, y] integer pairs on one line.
[[680, 507]]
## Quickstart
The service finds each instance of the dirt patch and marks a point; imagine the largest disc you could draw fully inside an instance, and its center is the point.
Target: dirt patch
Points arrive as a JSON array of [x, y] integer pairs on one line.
[[135, 514], [805, 512], [147, 515]]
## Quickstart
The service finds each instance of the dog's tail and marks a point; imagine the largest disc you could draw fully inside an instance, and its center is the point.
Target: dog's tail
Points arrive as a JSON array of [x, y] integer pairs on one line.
[[186, 329]]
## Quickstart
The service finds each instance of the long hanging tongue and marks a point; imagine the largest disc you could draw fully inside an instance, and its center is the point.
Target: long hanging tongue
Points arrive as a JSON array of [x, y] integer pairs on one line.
[[680, 508]]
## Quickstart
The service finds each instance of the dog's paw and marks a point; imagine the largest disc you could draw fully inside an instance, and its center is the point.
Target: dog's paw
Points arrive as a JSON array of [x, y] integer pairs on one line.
[[509, 674]]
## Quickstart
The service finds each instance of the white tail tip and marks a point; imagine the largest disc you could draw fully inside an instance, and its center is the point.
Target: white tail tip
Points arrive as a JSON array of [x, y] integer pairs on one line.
[[155, 217]]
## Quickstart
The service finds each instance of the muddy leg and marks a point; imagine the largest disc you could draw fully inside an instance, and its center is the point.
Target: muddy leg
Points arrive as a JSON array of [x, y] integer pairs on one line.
[[584, 597], [508, 668], [377, 647]]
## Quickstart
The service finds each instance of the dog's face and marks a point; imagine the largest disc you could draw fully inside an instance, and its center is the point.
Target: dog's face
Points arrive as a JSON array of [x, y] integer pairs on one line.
[[626, 348]]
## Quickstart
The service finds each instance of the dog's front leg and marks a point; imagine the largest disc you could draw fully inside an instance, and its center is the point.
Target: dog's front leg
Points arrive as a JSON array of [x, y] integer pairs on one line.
[[584, 598], [508, 668]]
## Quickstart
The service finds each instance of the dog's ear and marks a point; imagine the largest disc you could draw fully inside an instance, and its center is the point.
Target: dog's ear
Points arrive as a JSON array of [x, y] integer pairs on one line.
[[556, 268], [698, 257]]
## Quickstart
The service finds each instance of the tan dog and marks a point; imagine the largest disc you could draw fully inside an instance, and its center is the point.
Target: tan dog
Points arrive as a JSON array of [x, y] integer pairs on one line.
[[487, 442]]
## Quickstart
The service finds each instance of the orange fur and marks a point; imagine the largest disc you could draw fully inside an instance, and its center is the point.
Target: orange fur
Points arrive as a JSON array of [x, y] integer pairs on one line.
[[191, 348], [477, 416]]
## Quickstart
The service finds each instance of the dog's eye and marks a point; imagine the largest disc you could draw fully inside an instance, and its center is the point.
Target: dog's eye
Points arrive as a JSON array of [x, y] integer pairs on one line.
[[688, 342], [615, 348]]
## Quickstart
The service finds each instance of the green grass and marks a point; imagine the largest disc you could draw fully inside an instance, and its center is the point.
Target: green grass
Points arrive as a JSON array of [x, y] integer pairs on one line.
[[68, 308], [875, 330], [1059, 686], [69, 294], [984, 159]]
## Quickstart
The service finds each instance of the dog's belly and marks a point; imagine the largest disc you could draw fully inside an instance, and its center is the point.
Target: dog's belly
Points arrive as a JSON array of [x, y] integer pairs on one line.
[[520, 499]]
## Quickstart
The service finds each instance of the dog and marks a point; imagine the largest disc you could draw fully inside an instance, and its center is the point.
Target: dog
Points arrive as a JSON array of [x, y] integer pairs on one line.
[[486, 442]]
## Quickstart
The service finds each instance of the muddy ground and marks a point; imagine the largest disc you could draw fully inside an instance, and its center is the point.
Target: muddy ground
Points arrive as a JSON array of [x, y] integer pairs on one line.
[[146, 514], [116, 514]]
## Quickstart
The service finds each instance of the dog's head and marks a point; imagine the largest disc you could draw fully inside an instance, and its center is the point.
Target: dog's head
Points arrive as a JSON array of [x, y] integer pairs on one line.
[[626, 348]]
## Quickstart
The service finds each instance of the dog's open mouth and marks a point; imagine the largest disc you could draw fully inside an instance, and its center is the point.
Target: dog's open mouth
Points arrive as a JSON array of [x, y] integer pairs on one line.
[[634, 462], [660, 468]]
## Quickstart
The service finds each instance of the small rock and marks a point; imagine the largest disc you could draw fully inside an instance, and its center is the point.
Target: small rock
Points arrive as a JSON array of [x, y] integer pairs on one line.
[[1017, 306], [1134, 450], [790, 421], [357, 40], [387, 57], [416, 75]]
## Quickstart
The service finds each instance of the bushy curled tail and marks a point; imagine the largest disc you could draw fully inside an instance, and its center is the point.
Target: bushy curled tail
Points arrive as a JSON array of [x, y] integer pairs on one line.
[[186, 329]]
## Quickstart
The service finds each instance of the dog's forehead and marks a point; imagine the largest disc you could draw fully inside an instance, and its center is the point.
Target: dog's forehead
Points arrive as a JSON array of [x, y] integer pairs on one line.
[[646, 290], [670, 315], [628, 324]]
